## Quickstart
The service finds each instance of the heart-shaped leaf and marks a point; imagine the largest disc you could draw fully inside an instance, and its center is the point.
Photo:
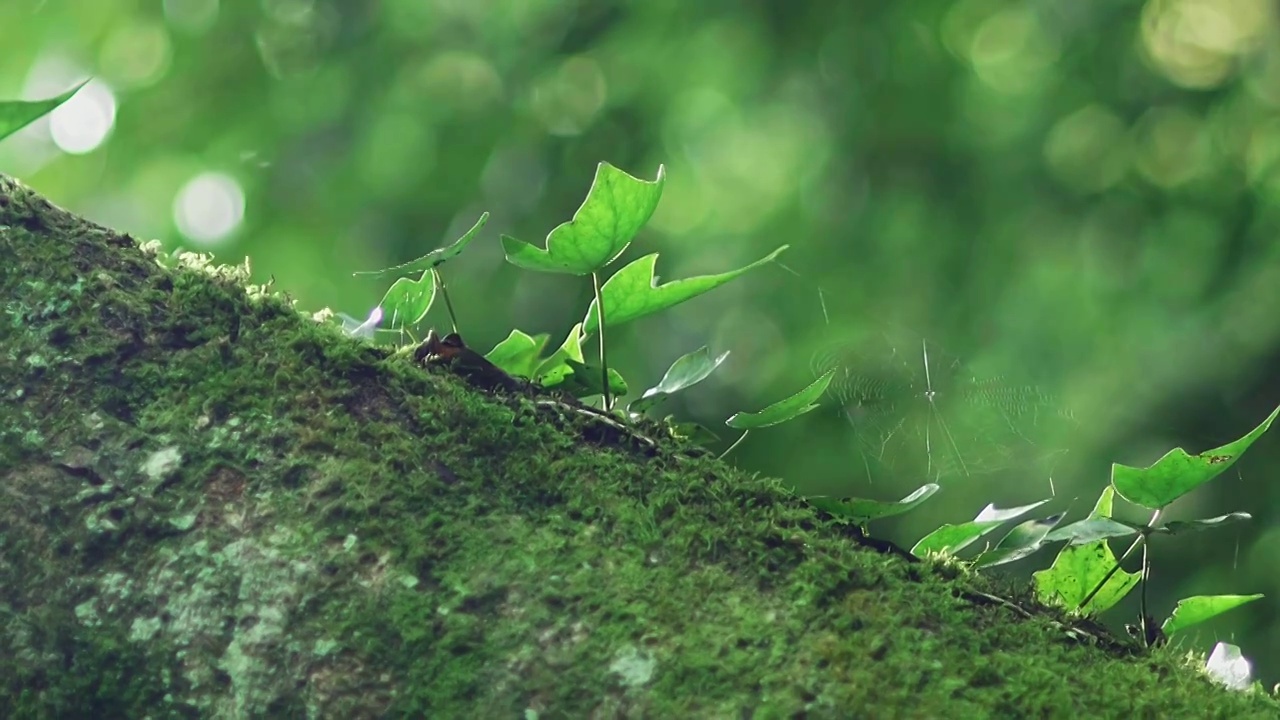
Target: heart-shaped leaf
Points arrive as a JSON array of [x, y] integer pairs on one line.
[[553, 370], [1077, 571], [1178, 473], [1193, 610], [783, 410], [691, 431], [585, 381], [17, 114], [518, 354], [860, 510], [689, 370], [633, 292], [617, 206], [407, 301]]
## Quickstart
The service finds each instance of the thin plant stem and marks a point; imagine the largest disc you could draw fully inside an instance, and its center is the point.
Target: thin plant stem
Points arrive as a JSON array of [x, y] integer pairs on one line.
[[735, 444], [1142, 598], [444, 293], [604, 363], [1141, 538]]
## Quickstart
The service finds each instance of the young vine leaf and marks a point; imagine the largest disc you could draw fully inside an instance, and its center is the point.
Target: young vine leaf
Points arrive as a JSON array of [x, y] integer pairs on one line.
[[783, 410], [519, 354], [688, 370], [1193, 610], [1177, 527], [633, 291], [1023, 540], [951, 539], [861, 511], [1178, 472], [1086, 561], [1077, 571], [407, 301], [17, 114], [435, 258], [555, 368], [617, 206], [586, 381]]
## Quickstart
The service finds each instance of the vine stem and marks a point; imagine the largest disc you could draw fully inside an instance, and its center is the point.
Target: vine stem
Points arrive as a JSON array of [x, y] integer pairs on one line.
[[604, 363], [1140, 539], [444, 293], [735, 444]]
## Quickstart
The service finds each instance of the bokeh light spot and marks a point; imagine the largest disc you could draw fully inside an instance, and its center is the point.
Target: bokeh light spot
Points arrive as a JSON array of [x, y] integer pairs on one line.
[[209, 208], [192, 16], [567, 100], [79, 125], [1011, 52], [1088, 150], [1172, 146], [136, 54], [1195, 43], [458, 83]]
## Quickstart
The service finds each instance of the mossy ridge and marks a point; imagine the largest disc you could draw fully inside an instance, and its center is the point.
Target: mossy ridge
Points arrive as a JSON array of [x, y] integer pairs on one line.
[[321, 528]]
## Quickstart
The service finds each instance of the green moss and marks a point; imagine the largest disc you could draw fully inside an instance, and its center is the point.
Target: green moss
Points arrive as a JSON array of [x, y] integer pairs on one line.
[[212, 505]]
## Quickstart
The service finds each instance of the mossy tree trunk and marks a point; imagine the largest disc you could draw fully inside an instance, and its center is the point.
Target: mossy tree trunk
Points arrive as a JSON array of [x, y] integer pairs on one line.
[[211, 505]]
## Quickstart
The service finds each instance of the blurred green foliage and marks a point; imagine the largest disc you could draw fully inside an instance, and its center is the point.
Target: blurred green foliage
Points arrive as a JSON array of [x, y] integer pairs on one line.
[[1073, 202]]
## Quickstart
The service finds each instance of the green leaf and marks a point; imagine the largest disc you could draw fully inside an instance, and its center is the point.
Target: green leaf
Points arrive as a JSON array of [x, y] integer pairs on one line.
[[1092, 529], [555, 368], [1176, 527], [1106, 500], [1098, 525], [1178, 473], [633, 292], [691, 431], [951, 539], [1193, 610], [584, 381], [783, 410], [1077, 571], [689, 370], [1021, 541], [519, 353], [436, 257], [17, 114], [617, 206], [409, 299], [861, 511]]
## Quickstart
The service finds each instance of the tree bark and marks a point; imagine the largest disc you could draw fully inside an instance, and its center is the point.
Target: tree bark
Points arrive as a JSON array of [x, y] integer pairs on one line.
[[212, 505]]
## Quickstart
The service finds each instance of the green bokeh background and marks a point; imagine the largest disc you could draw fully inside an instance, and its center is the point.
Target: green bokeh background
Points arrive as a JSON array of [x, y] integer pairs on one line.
[[1078, 197]]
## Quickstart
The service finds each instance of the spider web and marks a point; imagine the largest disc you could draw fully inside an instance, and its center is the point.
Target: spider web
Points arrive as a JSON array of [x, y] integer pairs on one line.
[[915, 408]]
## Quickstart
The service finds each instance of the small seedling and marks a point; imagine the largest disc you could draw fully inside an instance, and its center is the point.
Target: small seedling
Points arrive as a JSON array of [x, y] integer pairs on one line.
[[779, 412], [617, 207], [408, 300]]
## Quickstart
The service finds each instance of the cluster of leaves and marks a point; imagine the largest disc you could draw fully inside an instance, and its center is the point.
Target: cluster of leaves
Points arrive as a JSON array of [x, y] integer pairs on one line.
[[616, 208], [1086, 577]]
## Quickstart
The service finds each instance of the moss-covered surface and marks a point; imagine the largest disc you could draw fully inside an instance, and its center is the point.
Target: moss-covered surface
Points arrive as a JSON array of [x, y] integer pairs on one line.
[[211, 505]]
